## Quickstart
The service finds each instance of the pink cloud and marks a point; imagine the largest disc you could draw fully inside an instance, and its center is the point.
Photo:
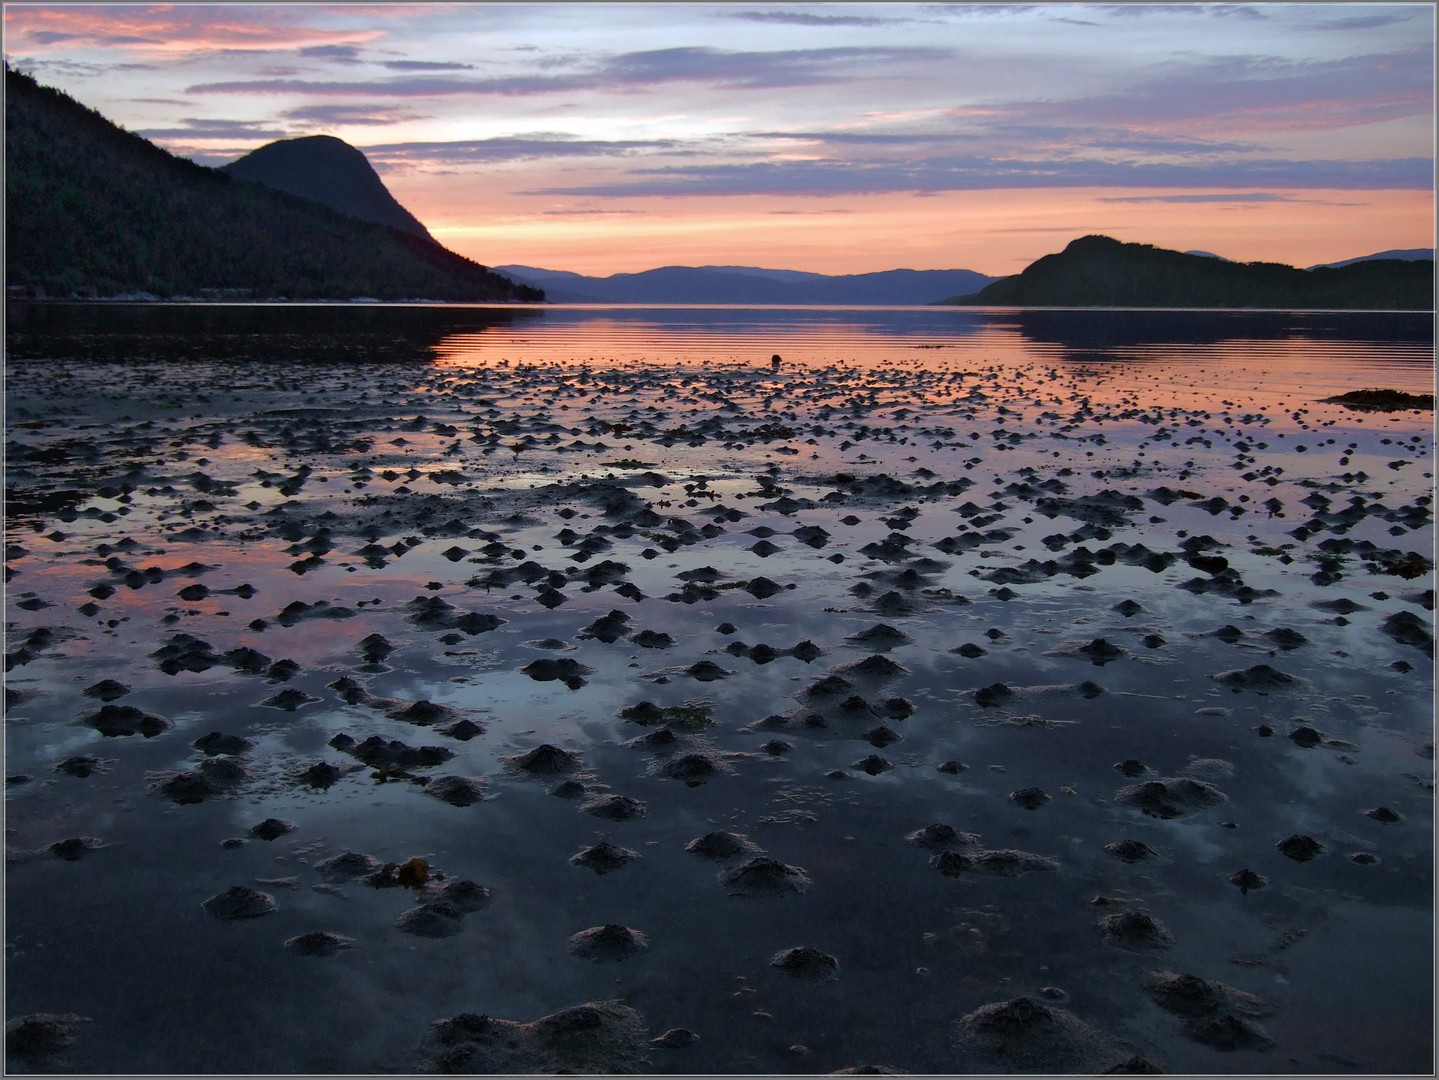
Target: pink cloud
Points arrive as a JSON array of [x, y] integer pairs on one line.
[[166, 28]]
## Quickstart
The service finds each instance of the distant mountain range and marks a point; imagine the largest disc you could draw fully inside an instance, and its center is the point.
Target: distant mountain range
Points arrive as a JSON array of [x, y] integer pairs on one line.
[[1097, 271], [93, 210], [1402, 254], [750, 285]]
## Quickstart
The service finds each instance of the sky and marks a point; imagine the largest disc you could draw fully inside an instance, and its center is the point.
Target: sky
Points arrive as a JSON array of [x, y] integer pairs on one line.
[[837, 138]]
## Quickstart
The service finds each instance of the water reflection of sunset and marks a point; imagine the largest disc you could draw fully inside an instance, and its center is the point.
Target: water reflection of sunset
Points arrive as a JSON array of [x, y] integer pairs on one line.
[[469, 539], [947, 356]]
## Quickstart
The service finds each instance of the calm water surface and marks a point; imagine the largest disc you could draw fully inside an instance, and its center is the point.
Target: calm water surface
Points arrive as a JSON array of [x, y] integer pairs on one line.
[[990, 484]]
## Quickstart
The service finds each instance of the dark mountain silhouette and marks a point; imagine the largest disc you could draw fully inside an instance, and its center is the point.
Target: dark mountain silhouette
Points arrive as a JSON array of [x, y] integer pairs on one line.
[[327, 170], [1097, 271], [1407, 254], [750, 285], [91, 209]]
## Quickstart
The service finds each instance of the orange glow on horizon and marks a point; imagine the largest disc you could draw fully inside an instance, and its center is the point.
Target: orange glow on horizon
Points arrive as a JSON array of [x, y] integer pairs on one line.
[[992, 232]]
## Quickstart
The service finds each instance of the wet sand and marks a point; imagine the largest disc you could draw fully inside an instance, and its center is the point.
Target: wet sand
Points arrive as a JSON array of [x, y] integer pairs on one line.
[[638, 717]]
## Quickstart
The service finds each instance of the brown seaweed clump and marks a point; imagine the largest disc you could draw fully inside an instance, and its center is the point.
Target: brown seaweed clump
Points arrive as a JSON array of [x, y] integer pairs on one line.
[[596, 1037]]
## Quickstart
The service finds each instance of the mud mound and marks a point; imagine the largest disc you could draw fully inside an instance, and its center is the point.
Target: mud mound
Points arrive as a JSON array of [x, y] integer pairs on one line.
[[1215, 1013], [722, 845], [1001, 863], [1136, 930], [610, 942], [1261, 678], [40, 1040], [544, 760], [318, 943], [596, 1037], [239, 902], [604, 857], [763, 876], [1022, 1035], [1170, 797], [804, 962], [456, 790]]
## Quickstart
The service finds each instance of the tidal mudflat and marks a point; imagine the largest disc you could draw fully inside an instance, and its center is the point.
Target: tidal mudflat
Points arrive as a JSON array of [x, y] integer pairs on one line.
[[470, 712]]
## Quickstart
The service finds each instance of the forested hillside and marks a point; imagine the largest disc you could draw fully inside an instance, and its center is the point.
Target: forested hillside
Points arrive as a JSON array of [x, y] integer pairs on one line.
[[91, 208], [327, 170], [1097, 271]]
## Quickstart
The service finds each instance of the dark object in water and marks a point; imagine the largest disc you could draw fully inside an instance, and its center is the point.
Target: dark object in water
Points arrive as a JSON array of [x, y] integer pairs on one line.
[[240, 902], [603, 857], [721, 845], [456, 790], [873, 765], [938, 835], [1299, 847], [615, 807], [1216, 1013], [993, 694], [764, 876], [1375, 400], [804, 962], [271, 828], [1170, 797], [1247, 879], [436, 919], [318, 943], [1131, 851], [609, 942], [595, 1037], [1018, 1014], [1031, 798], [39, 1035], [693, 769], [546, 760], [1136, 930]]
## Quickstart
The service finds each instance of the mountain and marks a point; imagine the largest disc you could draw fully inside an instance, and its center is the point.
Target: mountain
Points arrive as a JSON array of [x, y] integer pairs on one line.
[[1405, 254], [327, 170], [750, 285], [1097, 271], [91, 209]]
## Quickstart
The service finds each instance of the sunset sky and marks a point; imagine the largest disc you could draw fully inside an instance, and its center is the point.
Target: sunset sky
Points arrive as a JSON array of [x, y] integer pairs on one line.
[[833, 137]]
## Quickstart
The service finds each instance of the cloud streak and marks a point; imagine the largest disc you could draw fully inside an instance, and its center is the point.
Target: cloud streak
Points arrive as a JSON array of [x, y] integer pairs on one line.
[[700, 65], [822, 179], [511, 149]]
